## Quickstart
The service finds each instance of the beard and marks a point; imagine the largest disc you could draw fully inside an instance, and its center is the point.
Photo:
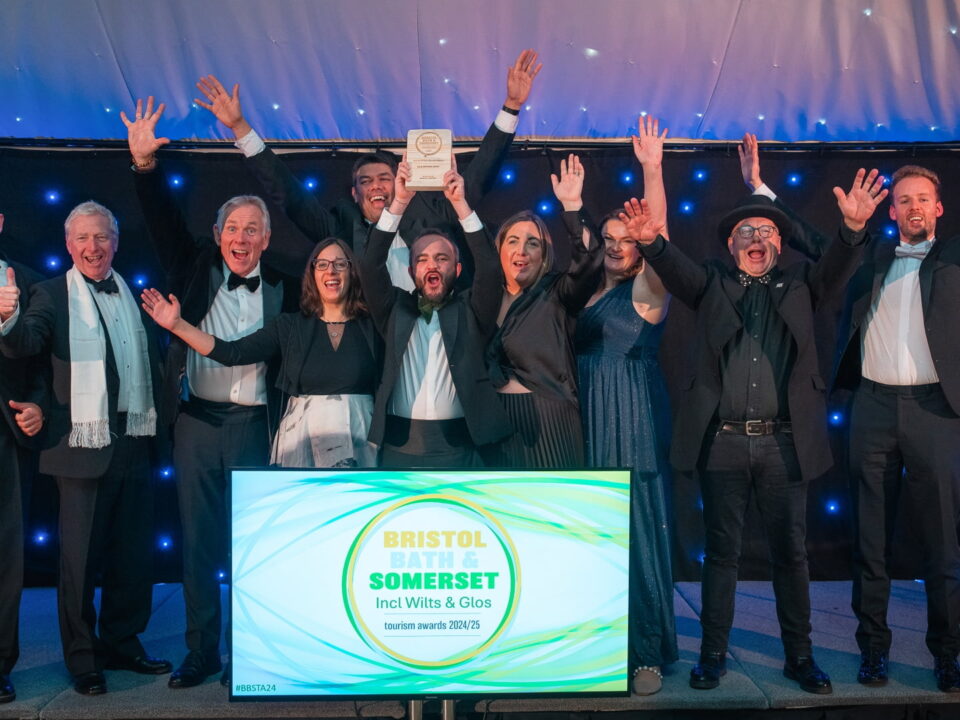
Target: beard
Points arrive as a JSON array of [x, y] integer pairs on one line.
[[437, 293]]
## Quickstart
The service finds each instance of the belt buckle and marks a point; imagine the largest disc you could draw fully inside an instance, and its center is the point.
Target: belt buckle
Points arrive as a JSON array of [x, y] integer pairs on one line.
[[755, 427]]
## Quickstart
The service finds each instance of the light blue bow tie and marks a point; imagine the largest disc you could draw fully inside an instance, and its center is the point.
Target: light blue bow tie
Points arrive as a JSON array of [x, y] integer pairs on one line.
[[918, 251]]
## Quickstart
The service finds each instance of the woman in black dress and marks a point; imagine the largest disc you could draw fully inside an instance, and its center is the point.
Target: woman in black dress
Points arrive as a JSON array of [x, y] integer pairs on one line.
[[330, 357]]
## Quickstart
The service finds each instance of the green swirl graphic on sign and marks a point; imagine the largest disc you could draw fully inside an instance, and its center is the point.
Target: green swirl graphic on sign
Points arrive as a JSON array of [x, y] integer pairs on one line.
[[431, 581]]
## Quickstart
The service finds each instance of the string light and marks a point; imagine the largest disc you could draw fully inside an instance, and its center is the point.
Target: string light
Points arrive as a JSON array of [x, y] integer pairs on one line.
[[686, 207], [276, 106], [52, 262], [40, 537], [700, 175], [793, 179], [176, 181], [52, 197], [310, 184], [140, 280], [545, 207], [833, 507], [507, 175], [165, 542], [626, 177], [890, 230], [166, 472], [836, 418]]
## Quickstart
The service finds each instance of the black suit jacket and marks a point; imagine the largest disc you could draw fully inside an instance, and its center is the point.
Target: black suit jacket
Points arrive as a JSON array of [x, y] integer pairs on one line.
[[345, 221], [194, 268], [940, 296], [24, 379], [713, 293], [45, 328], [467, 322]]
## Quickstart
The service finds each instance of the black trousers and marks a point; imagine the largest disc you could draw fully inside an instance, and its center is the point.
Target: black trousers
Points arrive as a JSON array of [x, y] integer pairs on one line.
[[106, 528], [892, 429], [11, 550], [208, 441], [427, 444], [732, 467]]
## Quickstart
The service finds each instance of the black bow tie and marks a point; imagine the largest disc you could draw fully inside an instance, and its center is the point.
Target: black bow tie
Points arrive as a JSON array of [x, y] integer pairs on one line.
[[107, 285], [748, 280], [426, 307], [235, 281]]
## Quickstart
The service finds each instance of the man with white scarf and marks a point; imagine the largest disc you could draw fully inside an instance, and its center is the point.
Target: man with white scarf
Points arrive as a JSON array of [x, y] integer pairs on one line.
[[98, 446]]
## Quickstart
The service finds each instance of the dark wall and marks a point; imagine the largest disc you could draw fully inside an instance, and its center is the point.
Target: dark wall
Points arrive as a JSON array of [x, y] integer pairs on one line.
[[702, 184]]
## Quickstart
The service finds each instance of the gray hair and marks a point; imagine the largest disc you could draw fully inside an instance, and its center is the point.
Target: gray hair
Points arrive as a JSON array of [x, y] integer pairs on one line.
[[239, 201], [91, 207]]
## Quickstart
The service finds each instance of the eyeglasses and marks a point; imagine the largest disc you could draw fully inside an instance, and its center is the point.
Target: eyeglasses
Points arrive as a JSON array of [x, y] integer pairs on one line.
[[622, 242], [322, 265], [747, 231]]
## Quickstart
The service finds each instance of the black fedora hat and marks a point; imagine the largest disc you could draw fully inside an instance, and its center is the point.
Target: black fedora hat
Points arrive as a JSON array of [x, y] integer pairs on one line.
[[755, 206]]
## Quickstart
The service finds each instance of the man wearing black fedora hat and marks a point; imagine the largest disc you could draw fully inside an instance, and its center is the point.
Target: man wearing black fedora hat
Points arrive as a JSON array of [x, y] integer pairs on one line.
[[752, 418]]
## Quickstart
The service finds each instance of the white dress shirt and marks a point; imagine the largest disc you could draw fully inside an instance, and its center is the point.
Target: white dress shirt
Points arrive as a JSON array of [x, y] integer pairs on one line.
[[894, 343], [125, 351], [234, 314]]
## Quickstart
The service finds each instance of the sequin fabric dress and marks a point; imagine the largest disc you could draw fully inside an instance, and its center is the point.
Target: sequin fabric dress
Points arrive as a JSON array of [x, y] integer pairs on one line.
[[626, 423]]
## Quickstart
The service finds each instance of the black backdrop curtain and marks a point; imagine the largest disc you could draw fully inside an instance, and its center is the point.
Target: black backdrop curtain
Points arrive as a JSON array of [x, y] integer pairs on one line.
[[38, 187]]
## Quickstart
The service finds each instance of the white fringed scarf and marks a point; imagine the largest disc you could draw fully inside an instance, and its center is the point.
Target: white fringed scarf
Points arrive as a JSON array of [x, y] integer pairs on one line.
[[89, 413]]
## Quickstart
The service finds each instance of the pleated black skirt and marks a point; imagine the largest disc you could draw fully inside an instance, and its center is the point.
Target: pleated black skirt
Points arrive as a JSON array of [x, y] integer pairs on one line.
[[548, 434]]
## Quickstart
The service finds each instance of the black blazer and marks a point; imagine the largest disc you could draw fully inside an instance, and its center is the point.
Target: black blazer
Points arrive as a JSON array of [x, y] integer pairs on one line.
[[24, 380], [345, 221], [194, 268], [45, 328], [467, 321], [940, 296], [710, 290]]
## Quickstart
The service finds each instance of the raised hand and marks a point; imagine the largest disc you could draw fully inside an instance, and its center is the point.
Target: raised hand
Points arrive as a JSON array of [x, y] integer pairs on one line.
[[165, 313], [141, 133], [9, 296], [641, 225], [455, 190], [865, 194], [648, 142], [225, 106], [29, 417], [749, 152], [569, 186], [402, 195], [520, 77]]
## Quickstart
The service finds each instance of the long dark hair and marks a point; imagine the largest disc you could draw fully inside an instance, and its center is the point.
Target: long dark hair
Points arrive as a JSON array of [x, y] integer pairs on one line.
[[310, 303], [529, 216]]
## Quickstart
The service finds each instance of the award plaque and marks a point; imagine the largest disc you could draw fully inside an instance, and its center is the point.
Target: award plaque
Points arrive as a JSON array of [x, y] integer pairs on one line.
[[429, 153]]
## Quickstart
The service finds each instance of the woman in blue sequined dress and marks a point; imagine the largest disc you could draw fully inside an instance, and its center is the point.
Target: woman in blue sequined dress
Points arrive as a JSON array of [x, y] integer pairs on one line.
[[626, 413]]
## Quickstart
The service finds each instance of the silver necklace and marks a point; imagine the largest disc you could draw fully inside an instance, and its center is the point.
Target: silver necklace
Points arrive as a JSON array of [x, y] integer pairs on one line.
[[334, 333]]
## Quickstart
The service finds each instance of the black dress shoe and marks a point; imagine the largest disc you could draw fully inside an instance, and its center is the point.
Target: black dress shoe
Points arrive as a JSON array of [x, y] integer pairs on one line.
[[873, 668], [90, 683], [947, 673], [706, 674], [810, 677], [145, 665], [194, 670], [7, 693]]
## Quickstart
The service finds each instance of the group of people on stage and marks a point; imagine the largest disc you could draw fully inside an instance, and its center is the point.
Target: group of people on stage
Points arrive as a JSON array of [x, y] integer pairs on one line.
[[417, 338]]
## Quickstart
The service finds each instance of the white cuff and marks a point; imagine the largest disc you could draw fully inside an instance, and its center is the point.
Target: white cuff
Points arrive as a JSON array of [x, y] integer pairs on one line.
[[765, 191], [388, 222], [7, 325], [251, 144], [471, 223], [507, 122]]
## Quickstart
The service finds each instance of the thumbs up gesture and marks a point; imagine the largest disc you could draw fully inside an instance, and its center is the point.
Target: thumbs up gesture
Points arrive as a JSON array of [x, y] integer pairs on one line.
[[9, 296]]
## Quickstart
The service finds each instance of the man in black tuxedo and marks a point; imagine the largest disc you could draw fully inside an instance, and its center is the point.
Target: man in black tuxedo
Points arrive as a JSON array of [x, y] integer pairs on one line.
[[372, 180], [435, 404], [24, 394], [900, 356], [221, 417], [98, 444], [753, 417]]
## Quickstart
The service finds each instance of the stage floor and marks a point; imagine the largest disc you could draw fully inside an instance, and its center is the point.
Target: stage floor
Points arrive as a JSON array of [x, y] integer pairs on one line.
[[754, 681]]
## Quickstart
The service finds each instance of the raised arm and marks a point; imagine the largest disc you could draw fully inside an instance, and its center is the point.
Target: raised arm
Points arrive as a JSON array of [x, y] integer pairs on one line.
[[174, 244], [580, 281], [830, 275], [648, 149], [279, 184]]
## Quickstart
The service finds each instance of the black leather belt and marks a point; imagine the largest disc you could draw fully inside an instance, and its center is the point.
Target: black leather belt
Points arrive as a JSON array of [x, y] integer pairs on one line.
[[753, 427]]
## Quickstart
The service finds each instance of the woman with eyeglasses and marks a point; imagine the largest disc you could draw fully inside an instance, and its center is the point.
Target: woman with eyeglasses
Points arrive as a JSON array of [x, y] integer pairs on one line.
[[530, 358], [330, 355], [626, 413]]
